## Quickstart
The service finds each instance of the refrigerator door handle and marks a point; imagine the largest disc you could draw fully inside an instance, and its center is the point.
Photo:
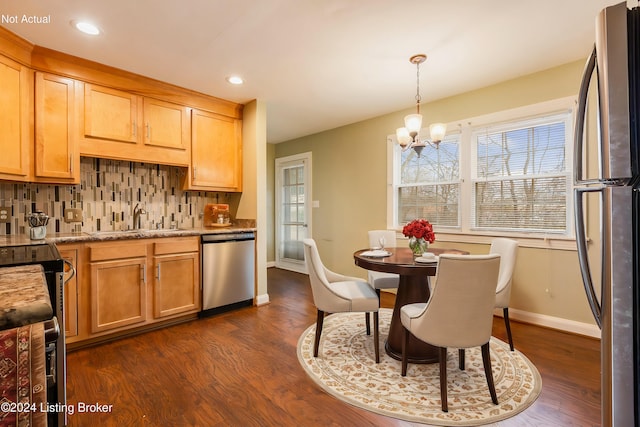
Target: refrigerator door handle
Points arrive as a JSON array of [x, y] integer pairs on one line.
[[581, 241], [581, 115]]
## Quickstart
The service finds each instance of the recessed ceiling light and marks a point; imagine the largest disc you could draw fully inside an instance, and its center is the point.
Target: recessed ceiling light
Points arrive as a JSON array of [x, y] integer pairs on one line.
[[86, 27], [235, 80]]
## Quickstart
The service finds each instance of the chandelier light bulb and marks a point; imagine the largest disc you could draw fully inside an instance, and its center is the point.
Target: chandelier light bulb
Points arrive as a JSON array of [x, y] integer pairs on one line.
[[437, 131], [413, 123], [403, 137]]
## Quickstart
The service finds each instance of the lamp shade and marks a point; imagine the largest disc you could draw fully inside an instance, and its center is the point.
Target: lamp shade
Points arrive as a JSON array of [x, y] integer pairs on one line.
[[403, 137], [437, 131], [413, 123]]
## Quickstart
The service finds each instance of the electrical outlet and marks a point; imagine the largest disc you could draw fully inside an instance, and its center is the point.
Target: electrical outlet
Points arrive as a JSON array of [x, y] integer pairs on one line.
[[72, 215], [5, 214]]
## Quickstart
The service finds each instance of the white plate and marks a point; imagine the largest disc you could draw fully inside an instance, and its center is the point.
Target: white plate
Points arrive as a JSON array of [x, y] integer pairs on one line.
[[423, 260], [376, 253]]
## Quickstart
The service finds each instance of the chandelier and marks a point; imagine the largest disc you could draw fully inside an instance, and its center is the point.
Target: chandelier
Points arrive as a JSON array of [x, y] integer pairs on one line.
[[409, 135]]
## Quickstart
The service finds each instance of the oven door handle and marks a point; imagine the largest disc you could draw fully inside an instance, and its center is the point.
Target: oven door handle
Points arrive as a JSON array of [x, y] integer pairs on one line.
[[72, 269]]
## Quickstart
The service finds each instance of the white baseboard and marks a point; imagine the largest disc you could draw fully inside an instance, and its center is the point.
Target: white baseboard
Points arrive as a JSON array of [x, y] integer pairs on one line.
[[262, 299], [271, 264], [558, 323]]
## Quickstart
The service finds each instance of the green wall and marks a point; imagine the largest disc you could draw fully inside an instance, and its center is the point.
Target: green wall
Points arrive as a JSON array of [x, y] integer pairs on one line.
[[349, 181]]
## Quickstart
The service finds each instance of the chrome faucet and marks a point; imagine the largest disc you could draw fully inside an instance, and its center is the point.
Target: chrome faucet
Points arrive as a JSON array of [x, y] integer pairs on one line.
[[136, 216]]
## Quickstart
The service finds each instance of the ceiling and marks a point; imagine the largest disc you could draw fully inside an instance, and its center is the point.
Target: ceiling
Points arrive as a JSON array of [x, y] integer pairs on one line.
[[319, 64]]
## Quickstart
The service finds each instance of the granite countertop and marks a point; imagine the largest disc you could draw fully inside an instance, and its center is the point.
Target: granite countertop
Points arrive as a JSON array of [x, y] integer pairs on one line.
[[98, 236], [24, 297]]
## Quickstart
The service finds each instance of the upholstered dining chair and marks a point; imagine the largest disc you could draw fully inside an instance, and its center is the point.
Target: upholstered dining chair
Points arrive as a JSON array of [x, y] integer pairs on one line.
[[335, 293], [459, 313], [508, 250], [377, 279]]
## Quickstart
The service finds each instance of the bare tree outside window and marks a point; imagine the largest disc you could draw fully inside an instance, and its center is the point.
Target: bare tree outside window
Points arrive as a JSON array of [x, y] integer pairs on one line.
[[430, 184], [521, 179]]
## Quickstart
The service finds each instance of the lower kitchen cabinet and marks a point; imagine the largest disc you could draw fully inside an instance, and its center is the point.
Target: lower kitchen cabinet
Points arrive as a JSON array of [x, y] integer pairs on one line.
[[118, 293], [176, 286], [127, 286]]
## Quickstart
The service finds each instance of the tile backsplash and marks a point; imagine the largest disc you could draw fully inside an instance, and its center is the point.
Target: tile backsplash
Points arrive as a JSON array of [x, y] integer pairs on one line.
[[107, 194]]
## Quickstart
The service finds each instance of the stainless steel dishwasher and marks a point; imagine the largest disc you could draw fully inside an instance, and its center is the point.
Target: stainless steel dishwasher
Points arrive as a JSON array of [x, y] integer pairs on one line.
[[228, 271]]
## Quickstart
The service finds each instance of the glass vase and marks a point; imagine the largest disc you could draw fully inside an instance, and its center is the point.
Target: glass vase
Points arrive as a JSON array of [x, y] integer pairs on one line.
[[418, 246]]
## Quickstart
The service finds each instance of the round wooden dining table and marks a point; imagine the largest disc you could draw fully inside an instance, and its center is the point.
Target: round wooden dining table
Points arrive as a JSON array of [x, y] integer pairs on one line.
[[413, 287]]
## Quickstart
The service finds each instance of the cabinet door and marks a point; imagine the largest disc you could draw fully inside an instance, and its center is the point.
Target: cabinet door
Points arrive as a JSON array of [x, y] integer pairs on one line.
[[55, 148], [118, 294], [15, 137], [176, 285], [110, 114], [70, 293], [166, 124], [216, 152]]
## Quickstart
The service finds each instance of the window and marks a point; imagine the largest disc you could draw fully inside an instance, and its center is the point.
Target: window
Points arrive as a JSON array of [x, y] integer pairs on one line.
[[507, 173], [430, 184], [520, 180]]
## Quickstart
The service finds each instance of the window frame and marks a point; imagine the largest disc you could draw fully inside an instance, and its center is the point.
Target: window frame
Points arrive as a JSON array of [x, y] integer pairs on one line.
[[466, 232]]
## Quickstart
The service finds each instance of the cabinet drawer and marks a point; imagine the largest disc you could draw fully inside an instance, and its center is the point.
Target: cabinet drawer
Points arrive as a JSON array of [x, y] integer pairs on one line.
[[176, 246], [105, 251]]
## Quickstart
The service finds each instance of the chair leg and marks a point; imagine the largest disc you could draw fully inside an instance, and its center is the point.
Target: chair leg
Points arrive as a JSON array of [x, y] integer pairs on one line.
[[366, 315], [461, 359], [507, 324], [405, 344], [486, 361], [367, 323], [376, 335], [319, 322], [443, 378]]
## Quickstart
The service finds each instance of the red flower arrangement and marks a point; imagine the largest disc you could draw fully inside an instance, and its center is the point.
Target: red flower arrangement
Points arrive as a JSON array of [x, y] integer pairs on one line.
[[420, 229]]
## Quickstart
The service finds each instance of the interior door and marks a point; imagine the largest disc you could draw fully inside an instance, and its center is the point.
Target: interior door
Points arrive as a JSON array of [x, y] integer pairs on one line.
[[293, 213]]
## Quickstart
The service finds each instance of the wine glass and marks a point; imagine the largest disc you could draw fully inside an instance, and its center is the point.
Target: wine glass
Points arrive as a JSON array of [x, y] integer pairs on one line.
[[381, 242]]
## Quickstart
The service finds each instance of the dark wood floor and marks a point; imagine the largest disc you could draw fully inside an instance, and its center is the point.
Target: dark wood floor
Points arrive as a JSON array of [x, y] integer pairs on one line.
[[240, 369]]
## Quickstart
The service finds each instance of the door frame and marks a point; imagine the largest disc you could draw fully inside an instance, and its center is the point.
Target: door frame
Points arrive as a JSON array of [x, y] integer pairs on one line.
[[305, 159]]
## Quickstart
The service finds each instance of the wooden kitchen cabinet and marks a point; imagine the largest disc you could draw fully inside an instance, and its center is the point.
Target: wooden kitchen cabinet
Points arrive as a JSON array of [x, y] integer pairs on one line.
[[176, 276], [118, 285], [56, 157], [110, 114], [16, 136], [70, 293], [165, 125], [130, 285], [216, 152], [123, 125]]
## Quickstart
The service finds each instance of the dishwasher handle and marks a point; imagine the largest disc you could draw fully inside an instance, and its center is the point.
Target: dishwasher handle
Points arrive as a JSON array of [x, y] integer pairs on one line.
[[227, 237]]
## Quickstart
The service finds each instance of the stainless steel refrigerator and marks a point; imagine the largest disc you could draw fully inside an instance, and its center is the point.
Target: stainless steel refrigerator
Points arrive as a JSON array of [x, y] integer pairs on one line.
[[614, 296]]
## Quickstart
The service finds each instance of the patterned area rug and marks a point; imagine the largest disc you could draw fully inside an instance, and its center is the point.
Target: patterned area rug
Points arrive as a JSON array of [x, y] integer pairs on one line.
[[22, 376], [346, 368]]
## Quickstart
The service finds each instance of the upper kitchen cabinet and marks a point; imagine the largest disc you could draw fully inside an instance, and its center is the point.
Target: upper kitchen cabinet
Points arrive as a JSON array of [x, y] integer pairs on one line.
[[123, 125], [16, 136], [216, 153], [55, 108], [56, 154], [166, 125], [110, 115]]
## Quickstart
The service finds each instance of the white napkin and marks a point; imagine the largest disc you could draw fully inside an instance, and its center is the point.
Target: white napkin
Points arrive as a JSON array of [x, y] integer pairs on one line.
[[376, 253]]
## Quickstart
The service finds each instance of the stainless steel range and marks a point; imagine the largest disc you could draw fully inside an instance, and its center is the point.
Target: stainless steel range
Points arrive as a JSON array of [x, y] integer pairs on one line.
[[47, 255]]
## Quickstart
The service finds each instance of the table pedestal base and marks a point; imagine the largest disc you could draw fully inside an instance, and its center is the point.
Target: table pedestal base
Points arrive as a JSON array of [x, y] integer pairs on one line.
[[410, 289]]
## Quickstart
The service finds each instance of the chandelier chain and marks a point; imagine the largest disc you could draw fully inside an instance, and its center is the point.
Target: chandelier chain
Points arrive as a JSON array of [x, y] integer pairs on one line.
[[418, 97]]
